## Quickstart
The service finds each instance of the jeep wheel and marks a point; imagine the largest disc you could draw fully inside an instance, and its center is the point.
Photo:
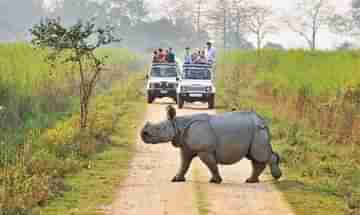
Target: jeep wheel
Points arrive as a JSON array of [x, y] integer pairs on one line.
[[211, 102], [180, 102], [150, 99]]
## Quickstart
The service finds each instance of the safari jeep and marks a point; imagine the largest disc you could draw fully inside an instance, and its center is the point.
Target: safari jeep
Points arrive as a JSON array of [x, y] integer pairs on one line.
[[162, 81], [196, 85]]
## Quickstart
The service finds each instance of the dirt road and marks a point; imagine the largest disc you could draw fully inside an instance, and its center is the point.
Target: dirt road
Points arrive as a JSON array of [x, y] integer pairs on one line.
[[148, 190]]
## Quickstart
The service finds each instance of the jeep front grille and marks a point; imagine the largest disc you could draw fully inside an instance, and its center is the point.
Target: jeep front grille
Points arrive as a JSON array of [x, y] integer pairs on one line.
[[164, 85], [196, 88]]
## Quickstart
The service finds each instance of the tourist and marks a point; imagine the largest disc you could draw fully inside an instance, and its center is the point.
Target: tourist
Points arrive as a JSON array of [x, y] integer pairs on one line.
[[188, 57], [211, 53]]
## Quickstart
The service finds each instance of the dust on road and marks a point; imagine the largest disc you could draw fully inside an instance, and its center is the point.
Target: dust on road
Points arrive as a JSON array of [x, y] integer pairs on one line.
[[148, 190]]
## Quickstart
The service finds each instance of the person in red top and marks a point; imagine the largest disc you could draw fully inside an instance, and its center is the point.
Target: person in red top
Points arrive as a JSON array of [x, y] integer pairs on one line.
[[162, 56]]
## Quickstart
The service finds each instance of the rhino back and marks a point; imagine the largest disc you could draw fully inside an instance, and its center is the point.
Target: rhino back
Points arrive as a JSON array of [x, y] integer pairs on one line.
[[234, 132]]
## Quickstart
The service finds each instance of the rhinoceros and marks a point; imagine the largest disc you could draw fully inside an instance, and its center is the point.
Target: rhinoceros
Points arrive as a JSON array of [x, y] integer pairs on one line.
[[222, 139]]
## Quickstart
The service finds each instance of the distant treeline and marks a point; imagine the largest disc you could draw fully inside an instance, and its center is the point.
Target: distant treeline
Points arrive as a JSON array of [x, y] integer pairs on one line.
[[134, 26], [180, 24]]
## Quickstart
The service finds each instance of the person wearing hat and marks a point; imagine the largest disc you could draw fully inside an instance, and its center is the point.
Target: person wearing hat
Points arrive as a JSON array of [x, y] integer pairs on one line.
[[188, 57], [211, 53]]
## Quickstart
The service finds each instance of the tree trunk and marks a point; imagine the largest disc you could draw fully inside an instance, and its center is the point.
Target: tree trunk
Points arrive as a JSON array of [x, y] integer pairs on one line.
[[258, 41], [198, 19], [83, 100], [313, 45], [225, 29]]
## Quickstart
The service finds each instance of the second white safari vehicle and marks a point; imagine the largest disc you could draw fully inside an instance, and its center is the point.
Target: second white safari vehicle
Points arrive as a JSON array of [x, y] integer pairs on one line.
[[196, 84]]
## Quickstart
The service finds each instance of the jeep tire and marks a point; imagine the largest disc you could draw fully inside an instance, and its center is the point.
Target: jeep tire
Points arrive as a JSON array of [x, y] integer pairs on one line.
[[150, 98], [211, 102], [180, 102]]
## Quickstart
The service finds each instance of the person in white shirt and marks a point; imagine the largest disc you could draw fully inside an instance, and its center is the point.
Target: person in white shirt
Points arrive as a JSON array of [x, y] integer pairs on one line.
[[211, 53], [188, 58]]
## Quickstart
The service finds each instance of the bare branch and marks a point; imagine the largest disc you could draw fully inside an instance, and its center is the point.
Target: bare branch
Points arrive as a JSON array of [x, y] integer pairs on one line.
[[311, 16]]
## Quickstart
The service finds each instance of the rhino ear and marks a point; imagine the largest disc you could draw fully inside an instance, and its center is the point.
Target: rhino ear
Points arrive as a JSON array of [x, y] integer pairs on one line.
[[171, 112]]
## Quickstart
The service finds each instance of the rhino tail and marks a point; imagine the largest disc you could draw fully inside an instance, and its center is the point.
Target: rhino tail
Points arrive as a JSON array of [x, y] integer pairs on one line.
[[275, 166]]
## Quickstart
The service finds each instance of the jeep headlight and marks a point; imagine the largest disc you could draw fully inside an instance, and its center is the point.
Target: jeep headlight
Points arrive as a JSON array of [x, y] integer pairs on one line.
[[152, 85]]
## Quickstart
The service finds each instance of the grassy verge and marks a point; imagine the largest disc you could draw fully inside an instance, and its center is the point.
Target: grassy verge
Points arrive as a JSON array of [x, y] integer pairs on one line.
[[200, 195], [40, 103], [321, 176], [93, 188]]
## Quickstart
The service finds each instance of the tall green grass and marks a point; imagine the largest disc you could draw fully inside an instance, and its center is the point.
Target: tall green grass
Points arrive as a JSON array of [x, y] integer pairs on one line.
[[26, 83], [34, 97], [289, 71], [315, 133]]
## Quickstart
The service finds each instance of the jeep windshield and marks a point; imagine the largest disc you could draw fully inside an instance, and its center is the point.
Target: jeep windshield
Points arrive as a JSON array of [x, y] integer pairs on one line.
[[163, 72], [197, 74]]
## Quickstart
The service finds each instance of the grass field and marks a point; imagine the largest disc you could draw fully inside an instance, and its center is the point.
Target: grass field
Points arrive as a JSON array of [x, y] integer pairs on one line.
[[40, 102], [310, 100], [93, 188], [323, 72]]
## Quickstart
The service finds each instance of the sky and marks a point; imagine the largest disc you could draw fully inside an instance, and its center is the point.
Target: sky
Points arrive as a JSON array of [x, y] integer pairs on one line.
[[326, 40], [285, 37]]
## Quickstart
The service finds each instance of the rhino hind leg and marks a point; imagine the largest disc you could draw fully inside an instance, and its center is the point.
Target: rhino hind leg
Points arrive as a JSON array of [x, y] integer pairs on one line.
[[209, 160], [275, 166], [258, 168]]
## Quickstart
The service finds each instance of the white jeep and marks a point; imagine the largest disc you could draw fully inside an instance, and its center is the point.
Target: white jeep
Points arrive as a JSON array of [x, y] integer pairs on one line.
[[196, 85], [162, 81]]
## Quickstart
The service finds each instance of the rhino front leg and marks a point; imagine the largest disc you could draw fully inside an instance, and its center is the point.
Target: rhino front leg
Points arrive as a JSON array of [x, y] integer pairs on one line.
[[209, 160], [186, 158], [258, 168]]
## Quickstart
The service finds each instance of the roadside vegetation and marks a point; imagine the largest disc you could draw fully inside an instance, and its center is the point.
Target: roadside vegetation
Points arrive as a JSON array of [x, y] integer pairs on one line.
[[200, 195], [312, 102], [47, 151]]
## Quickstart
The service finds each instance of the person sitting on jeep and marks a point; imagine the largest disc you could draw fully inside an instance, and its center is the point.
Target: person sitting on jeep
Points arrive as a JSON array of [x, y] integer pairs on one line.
[[161, 56], [201, 59], [195, 56], [211, 53], [188, 57], [170, 56]]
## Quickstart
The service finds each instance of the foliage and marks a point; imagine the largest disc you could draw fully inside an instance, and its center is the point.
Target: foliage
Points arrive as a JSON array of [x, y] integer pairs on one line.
[[37, 99], [289, 71], [313, 109], [100, 175], [74, 43]]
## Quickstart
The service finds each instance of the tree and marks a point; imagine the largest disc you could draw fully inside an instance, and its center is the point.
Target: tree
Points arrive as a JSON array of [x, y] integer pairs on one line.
[[137, 10], [70, 11], [347, 23], [345, 46], [237, 30], [272, 45], [220, 20], [73, 44], [188, 21], [258, 21], [311, 16]]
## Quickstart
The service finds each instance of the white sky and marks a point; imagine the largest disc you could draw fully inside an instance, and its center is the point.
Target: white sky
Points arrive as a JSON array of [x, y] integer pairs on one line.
[[291, 40], [284, 36]]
